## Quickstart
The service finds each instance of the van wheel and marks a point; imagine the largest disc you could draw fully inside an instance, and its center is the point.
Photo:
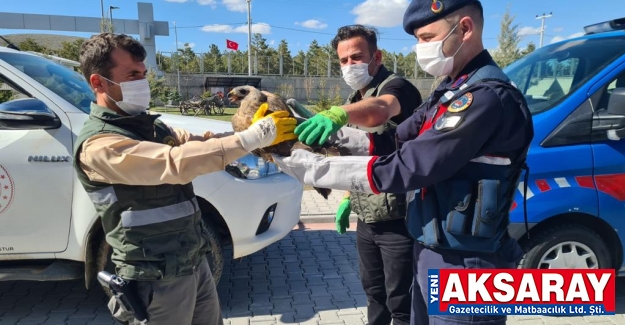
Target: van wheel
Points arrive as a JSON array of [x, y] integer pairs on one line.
[[569, 246], [215, 257]]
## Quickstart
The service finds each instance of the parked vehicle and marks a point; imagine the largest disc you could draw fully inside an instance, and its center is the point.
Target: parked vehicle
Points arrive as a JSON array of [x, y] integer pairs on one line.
[[576, 188], [49, 229]]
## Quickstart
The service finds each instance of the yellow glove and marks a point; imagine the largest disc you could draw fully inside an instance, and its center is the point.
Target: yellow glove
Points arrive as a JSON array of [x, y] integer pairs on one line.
[[268, 130]]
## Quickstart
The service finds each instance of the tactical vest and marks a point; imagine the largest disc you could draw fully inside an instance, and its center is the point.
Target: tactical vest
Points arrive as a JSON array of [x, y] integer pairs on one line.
[[156, 232], [377, 207], [470, 210]]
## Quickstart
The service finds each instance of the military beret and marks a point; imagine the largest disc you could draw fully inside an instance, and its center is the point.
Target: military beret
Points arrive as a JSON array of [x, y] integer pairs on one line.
[[425, 12]]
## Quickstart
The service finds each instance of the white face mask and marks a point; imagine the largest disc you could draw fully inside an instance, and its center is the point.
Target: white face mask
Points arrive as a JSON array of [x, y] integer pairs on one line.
[[432, 59], [135, 96], [357, 75]]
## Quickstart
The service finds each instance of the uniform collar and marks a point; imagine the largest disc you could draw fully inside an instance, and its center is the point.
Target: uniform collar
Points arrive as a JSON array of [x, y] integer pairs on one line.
[[143, 123], [482, 59], [102, 112]]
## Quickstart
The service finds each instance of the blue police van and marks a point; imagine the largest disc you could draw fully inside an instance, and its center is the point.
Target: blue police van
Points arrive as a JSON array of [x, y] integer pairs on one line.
[[575, 189]]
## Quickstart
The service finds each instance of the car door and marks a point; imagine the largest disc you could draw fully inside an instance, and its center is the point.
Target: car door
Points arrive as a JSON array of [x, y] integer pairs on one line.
[[36, 173], [609, 154]]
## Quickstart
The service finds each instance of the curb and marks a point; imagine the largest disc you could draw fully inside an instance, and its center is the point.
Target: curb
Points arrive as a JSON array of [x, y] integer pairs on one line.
[[323, 218]]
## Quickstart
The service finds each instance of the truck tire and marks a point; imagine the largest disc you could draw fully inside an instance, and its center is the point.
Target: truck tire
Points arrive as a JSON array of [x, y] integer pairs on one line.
[[568, 246], [215, 257], [104, 263]]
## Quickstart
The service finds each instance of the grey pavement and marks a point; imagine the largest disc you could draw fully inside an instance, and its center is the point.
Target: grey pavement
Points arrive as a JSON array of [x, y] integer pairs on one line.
[[316, 209], [310, 277]]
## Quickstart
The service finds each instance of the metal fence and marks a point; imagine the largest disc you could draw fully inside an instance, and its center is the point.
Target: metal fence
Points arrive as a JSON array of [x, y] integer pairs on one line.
[[274, 65]]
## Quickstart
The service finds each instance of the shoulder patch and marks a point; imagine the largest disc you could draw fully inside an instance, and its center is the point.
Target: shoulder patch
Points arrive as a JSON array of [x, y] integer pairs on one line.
[[447, 122], [461, 103]]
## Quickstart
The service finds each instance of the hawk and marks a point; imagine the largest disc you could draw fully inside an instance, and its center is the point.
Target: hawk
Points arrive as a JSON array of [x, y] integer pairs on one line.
[[249, 99]]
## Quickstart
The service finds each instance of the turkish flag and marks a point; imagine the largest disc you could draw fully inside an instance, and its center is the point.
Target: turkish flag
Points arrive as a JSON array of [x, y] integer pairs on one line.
[[232, 45]]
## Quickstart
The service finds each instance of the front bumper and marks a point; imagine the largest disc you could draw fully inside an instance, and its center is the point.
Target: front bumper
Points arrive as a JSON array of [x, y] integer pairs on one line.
[[244, 203]]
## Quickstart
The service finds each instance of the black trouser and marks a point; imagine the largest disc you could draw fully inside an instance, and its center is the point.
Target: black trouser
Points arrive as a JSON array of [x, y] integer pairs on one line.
[[385, 251]]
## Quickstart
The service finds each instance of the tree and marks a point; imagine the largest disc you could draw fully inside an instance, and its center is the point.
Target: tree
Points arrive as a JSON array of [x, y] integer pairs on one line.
[[287, 60], [531, 47], [508, 50], [70, 50], [158, 89], [298, 63], [317, 59], [30, 44], [164, 63], [213, 61], [188, 60]]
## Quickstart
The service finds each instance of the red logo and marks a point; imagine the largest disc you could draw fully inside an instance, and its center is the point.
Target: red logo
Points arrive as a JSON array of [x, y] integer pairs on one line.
[[6, 189], [437, 6], [232, 45]]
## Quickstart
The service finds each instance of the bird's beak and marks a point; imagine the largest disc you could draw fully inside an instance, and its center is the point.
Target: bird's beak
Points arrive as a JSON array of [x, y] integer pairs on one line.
[[232, 97]]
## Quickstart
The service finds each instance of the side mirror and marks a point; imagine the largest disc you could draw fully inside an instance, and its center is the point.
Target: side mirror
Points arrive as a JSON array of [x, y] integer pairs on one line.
[[27, 114], [616, 107], [616, 104]]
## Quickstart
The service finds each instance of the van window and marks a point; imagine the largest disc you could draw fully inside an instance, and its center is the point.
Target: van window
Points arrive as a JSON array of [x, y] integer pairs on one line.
[[550, 74], [63, 81]]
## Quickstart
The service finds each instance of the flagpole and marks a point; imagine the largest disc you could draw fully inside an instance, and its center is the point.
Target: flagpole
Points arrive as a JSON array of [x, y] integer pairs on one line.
[[249, 38], [177, 58]]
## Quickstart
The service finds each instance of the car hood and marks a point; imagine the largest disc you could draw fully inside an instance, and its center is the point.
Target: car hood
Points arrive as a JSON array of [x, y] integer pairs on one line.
[[195, 125]]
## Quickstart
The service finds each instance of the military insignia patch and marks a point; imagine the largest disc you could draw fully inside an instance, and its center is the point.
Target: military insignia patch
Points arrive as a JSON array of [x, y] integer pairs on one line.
[[461, 103], [437, 6], [169, 140], [447, 122], [459, 81]]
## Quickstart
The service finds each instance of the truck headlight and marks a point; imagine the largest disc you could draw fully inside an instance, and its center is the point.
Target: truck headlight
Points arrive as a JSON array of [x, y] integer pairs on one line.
[[252, 167]]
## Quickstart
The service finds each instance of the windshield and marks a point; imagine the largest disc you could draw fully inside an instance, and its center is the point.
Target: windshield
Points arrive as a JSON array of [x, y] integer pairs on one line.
[[550, 74], [63, 81]]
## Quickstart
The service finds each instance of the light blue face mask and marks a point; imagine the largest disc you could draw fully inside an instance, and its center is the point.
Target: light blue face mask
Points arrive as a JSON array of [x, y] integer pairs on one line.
[[135, 96]]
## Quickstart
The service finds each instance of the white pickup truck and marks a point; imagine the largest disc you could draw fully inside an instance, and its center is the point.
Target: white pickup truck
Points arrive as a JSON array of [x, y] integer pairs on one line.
[[49, 229]]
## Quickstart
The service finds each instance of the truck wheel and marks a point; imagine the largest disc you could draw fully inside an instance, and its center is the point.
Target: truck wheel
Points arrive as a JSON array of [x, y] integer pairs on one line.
[[569, 246], [104, 263], [215, 257]]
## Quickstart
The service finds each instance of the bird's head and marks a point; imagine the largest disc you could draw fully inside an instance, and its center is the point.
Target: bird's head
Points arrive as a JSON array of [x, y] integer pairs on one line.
[[237, 94]]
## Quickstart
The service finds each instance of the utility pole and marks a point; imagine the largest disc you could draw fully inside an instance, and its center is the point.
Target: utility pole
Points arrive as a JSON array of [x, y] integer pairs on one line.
[[111, 8], [249, 37], [542, 27], [102, 20], [177, 60]]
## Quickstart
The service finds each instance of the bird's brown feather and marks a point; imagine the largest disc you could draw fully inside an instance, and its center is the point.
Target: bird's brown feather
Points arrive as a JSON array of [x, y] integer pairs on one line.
[[249, 100]]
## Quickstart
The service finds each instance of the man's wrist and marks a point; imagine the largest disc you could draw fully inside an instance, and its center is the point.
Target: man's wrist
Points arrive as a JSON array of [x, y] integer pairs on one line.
[[249, 139], [338, 115]]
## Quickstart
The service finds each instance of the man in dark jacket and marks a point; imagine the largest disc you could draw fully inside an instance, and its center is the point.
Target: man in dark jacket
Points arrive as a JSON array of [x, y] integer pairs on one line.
[[466, 144]]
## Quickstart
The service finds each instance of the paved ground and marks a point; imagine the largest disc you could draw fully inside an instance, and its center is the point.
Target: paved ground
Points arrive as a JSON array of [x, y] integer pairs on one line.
[[309, 277]]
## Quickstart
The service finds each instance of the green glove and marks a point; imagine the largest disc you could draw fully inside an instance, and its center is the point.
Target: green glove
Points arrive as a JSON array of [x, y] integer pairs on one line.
[[342, 215], [319, 127]]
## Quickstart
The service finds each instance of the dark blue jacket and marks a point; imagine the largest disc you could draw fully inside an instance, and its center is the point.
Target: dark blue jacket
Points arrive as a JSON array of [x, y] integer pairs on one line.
[[460, 137]]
